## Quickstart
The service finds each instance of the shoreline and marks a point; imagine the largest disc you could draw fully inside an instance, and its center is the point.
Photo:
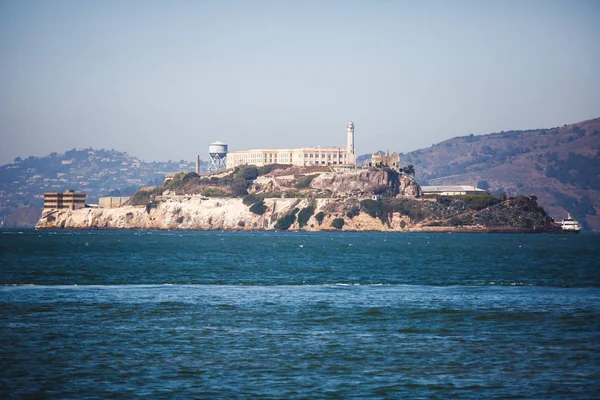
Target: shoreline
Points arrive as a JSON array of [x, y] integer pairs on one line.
[[438, 229]]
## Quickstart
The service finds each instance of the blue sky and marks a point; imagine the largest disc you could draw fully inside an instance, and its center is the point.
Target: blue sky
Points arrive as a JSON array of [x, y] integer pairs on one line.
[[163, 79]]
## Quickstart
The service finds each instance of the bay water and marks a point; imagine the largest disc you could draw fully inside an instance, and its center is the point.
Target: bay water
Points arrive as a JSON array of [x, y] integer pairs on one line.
[[157, 314]]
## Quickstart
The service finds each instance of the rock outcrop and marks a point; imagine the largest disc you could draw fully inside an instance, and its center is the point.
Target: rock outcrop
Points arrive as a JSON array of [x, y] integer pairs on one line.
[[200, 213], [197, 213], [368, 180]]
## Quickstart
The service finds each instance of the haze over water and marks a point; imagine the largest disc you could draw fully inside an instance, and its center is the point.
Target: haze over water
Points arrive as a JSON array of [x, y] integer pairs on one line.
[[294, 315]]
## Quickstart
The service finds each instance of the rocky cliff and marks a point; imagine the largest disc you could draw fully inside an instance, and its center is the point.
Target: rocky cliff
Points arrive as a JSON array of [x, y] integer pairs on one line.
[[198, 213], [330, 214], [368, 180]]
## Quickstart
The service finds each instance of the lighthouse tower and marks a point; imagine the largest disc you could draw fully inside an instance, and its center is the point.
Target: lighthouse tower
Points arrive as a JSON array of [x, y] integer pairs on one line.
[[350, 143]]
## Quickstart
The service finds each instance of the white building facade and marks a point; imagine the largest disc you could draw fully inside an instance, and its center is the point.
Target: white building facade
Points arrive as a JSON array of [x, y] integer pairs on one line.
[[449, 190], [304, 156]]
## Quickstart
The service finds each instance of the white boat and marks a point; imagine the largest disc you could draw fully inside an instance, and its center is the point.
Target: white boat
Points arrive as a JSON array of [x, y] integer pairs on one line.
[[570, 225]]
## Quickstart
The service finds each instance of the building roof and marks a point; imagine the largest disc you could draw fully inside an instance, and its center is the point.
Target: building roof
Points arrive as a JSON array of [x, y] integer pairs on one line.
[[309, 149], [451, 188]]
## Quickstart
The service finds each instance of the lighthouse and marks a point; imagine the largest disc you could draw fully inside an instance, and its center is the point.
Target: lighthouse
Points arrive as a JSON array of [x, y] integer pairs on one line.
[[350, 143]]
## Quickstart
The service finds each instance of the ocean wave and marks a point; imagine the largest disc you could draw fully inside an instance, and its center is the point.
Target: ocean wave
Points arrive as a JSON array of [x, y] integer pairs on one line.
[[337, 285]]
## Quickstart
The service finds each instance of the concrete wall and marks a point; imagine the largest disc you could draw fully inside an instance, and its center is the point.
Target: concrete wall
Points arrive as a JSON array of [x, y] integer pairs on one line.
[[112, 202]]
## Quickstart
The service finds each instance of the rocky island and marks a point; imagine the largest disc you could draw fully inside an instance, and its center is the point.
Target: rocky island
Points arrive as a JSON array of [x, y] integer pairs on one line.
[[318, 198]]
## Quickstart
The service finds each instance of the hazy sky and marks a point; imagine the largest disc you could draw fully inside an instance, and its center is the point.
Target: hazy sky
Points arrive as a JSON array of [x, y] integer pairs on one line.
[[163, 79]]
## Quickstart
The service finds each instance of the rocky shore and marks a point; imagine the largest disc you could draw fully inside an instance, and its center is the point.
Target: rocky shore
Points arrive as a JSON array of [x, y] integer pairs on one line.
[[306, 200], [197, 213]]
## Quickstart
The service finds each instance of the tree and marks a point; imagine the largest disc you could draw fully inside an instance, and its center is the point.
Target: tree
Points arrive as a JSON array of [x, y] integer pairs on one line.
[[250, 173], [239, 188], [258, 208], [286, 221], [319, 217], [483, 185], [304, 215], [18, 160], [337, 223]]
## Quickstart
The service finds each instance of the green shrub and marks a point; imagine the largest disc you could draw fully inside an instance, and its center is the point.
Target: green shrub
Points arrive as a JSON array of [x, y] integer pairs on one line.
[[140, 198], [190, 176], [144, 196], [251, 173], [240, 187], [258, 208], [247, 172], [305, 183], [251, 199], [213, 192], [269, 195], [353, 213], [177, 178], [291, 194], [338, 223], [150, 206], [304, 215], [372, 207], [286, 221], [269, 168], [319, 217], [383, 209], [472, 201]]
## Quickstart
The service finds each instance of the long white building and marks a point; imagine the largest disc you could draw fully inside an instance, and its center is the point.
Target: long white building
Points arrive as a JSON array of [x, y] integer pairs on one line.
[[303, 156]]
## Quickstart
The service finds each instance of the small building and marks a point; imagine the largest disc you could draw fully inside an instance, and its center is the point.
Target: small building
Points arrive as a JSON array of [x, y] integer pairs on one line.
[[112, 202], [68, 199], [448, 190]]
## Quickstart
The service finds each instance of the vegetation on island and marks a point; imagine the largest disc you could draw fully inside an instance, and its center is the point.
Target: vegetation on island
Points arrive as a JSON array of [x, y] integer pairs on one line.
[[305, 182], [319, 217], [384, 202], [143, 197], [337, 223], [258, 208], [284, 223], [304, 215]]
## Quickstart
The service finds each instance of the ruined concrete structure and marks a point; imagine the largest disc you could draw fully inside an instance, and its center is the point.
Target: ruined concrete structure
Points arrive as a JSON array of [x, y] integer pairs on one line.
[[387, 160]]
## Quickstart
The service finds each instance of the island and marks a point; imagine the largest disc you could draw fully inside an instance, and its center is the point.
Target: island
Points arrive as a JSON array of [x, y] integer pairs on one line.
[[311, 198]]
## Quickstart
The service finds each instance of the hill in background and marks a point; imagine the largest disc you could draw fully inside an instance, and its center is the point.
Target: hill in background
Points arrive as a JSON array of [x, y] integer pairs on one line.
[[561, 166], [96, 172]]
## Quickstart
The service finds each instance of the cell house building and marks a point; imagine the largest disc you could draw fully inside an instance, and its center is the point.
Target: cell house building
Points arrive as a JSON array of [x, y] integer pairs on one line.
[[304, 156]]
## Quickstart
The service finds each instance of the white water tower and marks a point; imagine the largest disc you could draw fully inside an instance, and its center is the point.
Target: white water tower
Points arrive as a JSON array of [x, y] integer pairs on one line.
[[218, 154]]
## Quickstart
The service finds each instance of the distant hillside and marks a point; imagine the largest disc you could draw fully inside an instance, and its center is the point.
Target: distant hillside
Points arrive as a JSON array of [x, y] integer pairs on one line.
[[561, 166], [96, 172]]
